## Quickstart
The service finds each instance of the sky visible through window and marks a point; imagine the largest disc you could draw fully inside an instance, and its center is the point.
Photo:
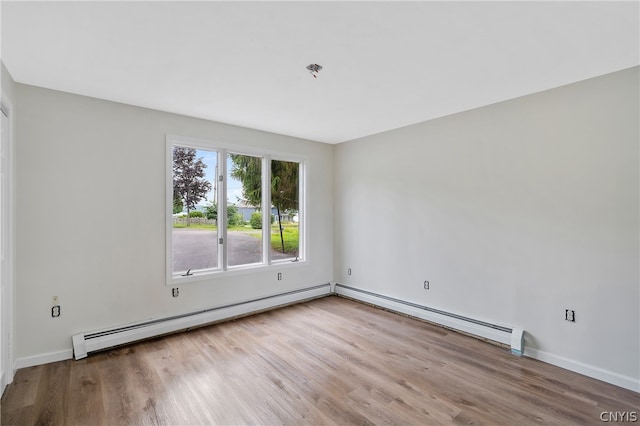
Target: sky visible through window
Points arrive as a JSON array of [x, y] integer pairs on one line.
[[234, 186]]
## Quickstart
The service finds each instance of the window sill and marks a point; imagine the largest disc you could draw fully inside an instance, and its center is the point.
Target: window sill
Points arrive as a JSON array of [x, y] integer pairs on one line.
[[205, 275]]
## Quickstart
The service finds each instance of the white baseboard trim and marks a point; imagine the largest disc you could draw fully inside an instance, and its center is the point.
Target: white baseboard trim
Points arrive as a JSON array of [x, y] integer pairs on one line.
[[3, 383], [84, 343], [584, 369], [7, 377], [180, 323], [487, 333], [496, 333], [30, 361], [272, 302]]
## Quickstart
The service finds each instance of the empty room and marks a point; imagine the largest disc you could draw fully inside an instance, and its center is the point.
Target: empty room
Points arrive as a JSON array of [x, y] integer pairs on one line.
[[431, 213]]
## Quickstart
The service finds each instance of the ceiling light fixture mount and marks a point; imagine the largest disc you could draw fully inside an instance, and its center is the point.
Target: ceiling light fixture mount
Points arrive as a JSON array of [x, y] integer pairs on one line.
[[314, 69]]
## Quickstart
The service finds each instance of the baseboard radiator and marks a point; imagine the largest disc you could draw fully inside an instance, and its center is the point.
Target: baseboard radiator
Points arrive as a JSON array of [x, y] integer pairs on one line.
[[498, 333], [85, 343]]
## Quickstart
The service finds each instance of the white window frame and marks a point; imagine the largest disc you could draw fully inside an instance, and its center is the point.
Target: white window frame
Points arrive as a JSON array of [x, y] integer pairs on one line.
[[222, 149]]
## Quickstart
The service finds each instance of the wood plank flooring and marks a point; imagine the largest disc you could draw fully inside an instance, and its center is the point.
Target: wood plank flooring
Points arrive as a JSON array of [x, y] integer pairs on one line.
[[327, 361]]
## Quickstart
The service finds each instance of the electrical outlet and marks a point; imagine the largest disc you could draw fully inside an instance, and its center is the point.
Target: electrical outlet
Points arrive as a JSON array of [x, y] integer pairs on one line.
[[55, 307], [175, 292], [348, 271], [570, 315], [426, 285], [279, 276]]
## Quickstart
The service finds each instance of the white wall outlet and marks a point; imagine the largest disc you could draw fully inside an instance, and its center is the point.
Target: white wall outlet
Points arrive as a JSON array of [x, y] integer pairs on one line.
[[55, 307], [570, 315]]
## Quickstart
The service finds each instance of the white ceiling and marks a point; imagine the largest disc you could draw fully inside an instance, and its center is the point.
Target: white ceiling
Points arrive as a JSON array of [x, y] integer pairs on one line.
[[386, 64]]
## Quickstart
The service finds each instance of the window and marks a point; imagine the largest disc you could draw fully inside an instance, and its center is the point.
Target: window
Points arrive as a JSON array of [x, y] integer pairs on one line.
[[260, 224], [285, 190], [244, 188]]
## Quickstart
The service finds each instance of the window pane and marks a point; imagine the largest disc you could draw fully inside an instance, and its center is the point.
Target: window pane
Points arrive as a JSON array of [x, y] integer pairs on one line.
[[194, 232], [285, 177], [244, 197]]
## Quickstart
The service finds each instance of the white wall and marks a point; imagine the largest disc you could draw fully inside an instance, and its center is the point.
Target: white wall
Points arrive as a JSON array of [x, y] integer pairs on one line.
[[91, 218], [513, 212]]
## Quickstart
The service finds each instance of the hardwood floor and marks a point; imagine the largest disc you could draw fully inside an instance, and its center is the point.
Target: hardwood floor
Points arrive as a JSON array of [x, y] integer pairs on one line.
[[327, 361]]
